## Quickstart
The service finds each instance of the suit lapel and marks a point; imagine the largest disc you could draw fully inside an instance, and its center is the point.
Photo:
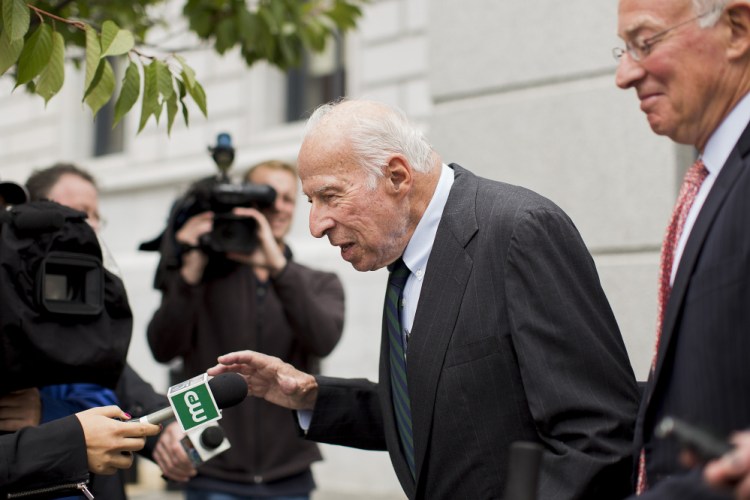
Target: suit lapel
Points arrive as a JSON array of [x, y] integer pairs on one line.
[[722, 186], [448, 271]]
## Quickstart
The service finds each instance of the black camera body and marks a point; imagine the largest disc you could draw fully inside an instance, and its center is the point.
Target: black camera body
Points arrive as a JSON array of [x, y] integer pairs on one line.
[[220, 195], [64, 318], [232, 233]]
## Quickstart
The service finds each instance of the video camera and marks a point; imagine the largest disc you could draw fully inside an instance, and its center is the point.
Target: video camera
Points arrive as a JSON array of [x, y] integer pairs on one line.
[[230, 233], [64, 318]]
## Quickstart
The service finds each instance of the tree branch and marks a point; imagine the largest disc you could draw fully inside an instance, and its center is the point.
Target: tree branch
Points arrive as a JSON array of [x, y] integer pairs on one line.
[[40, 12]]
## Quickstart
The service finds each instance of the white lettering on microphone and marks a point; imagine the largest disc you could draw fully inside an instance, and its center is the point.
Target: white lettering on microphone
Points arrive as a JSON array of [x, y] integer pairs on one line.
[[194, 405]]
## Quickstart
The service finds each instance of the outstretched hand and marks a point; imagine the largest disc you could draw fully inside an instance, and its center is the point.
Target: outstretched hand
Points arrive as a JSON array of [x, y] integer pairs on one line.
[[270, 378]]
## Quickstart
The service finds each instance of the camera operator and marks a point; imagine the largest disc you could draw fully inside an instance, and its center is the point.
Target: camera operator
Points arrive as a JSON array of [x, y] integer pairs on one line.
[[74, 187], [56, 457], [216, 303]]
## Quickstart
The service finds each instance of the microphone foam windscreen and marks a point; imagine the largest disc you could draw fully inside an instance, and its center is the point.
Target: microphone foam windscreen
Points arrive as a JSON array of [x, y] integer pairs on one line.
[[229, 389]]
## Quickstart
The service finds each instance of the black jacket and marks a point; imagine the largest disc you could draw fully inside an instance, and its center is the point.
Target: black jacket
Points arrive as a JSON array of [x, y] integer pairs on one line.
[[50, 458]]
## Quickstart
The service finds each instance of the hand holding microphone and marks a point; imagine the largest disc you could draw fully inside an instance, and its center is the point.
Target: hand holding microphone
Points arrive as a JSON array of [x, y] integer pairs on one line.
[[176, 453], [170, 455]]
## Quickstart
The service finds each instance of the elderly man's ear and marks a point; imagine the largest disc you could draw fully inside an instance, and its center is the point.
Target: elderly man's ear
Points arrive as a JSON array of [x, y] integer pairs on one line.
[[399, 174], [738, 16]]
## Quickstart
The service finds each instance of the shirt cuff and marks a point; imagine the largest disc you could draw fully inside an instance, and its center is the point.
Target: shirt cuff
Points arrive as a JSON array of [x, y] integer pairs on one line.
[[304, 417]]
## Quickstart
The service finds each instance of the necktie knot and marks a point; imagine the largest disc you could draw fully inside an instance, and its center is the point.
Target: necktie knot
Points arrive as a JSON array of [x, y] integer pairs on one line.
[[399, 274], [696, 174]]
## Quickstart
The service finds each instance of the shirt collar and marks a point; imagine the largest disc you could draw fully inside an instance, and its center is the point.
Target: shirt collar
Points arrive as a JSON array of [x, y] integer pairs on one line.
[[724, 139], [420, 245]]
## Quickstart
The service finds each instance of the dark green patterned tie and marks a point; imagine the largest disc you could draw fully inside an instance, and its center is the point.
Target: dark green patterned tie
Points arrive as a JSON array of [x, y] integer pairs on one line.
[[400, 392]]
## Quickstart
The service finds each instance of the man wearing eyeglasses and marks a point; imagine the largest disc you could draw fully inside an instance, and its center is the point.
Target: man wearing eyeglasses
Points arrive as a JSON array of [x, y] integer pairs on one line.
[[689, 63]]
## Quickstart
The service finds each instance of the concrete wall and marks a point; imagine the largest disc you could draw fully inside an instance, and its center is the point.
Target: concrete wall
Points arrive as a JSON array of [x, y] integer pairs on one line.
[[519, 91]]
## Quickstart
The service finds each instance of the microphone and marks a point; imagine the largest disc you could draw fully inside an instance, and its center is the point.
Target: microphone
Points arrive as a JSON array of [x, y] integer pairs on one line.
[[229, 389], [203, 444], [39, 221], [523, 471]]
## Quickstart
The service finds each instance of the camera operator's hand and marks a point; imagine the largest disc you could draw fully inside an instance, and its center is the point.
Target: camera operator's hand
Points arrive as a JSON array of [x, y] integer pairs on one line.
[[194, 261], [20, 409], [171, 456], [110, 442], [269, 254]]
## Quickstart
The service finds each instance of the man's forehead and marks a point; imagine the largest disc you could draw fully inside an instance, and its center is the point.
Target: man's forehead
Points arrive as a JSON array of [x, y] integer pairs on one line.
[[322, 182], [634, 15], [638, 22]]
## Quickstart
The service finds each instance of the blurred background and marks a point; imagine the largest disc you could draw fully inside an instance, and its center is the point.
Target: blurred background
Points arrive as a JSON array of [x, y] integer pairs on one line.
[[520, 91]]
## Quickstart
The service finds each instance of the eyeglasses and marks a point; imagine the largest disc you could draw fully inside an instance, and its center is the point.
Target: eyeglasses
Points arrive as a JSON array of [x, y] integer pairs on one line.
[[640, 49], [96, 220]]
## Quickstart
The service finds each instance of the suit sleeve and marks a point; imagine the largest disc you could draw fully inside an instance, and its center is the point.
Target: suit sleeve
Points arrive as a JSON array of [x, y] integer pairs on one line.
[[347, 413], [314, 306], [574, 367], [49, 455]]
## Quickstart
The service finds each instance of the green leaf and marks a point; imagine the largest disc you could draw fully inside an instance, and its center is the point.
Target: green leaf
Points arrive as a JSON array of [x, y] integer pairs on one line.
[[183, 93], [93, 53], [269, 19], [171, 111], [247, 27], [289, 57], [200, 18], [102, 87], [157, 110], [150, 100], [226, 35], [163, 79], [199, 96], [131, 88], [53, 75], [35, 54], [344, 14], [115, 41], [16, 18], [188, 74], [9, 52]]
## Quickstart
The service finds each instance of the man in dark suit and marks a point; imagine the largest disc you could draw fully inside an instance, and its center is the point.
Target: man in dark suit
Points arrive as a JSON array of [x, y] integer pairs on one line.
[[507, 333], [689, 63]]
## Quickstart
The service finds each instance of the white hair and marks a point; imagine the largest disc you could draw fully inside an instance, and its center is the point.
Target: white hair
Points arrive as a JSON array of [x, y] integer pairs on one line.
[[375, 137], [715, 7]]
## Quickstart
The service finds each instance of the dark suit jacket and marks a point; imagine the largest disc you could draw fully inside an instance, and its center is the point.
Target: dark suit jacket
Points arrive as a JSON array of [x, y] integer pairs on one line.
[[513, 339], [702, 373]]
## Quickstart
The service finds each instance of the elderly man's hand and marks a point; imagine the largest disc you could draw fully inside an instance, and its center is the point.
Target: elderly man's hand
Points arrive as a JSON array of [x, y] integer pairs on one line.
[[270, 378]]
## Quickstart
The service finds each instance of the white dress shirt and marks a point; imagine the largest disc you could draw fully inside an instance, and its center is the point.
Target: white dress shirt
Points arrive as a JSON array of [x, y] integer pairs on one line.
[[418, 250], [719, 146]]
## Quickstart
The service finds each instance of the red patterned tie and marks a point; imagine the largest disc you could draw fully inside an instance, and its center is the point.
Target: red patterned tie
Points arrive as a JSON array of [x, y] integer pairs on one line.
[[691, 184]]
